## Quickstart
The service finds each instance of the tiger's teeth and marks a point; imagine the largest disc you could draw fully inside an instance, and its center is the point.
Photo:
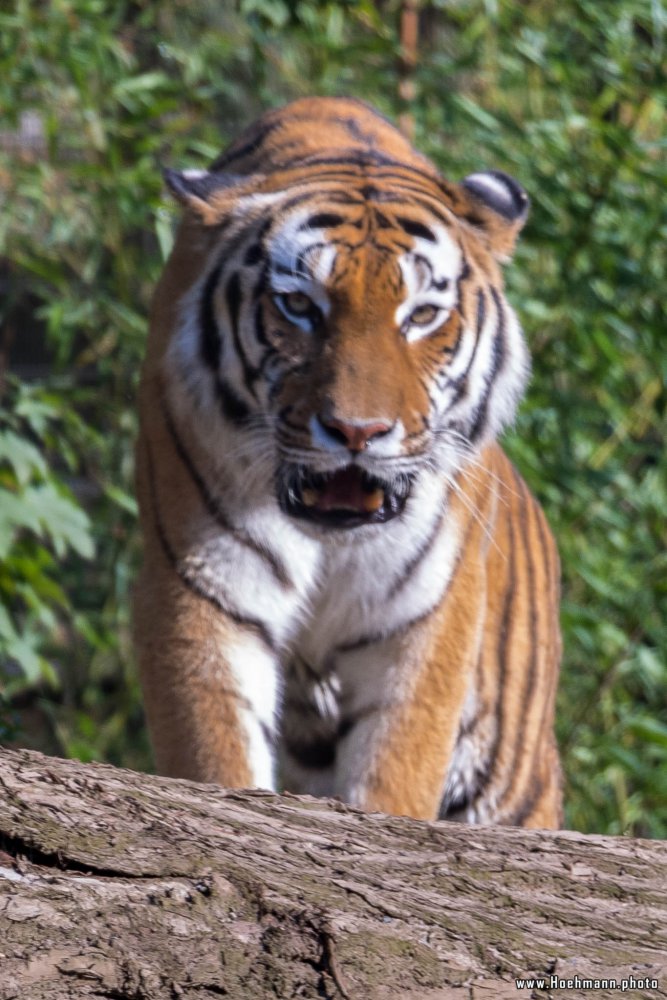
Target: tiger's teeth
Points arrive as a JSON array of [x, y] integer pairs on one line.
[[309, 496], [373, 501]]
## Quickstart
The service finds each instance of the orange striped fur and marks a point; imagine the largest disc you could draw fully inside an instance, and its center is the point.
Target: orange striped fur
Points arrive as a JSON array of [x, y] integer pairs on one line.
[[347, 589]]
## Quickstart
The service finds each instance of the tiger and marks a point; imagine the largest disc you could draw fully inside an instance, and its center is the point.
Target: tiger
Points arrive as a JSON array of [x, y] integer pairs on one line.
[[347, 589]]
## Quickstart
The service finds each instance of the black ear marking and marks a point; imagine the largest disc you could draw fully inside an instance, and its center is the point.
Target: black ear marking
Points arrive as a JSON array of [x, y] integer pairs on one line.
[[201, 184], [500, 192]]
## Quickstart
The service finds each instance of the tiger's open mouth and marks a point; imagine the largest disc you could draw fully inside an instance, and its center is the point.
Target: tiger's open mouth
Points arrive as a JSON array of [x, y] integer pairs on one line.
[[346, 498]]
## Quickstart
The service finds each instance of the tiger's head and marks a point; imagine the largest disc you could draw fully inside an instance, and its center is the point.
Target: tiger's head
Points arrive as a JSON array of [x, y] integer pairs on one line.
[[345, 302]]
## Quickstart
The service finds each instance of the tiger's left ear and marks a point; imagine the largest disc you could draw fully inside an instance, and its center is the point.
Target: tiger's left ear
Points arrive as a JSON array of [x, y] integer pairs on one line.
[[211, 196], [498, 205]]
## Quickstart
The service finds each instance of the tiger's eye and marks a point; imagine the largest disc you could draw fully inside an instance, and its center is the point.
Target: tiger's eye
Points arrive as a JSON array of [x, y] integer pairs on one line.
[[297, 303], [423, 315]]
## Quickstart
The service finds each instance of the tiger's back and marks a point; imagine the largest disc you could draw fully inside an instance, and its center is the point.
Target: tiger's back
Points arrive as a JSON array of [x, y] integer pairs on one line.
[[346, 588]]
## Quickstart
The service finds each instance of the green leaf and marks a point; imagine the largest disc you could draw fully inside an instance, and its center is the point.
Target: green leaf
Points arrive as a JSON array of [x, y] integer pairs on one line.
[[22, 455], [650, 730]]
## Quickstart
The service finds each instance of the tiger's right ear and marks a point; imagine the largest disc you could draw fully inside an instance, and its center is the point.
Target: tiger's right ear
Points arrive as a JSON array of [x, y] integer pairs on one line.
[[211, 196], [497, 206]]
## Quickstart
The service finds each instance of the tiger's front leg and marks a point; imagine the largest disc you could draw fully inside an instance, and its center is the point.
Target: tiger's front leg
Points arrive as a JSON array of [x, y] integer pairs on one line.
[[396, 742], [402, 715], [210, 688], [208, 660], [376, 725], [377, 729]]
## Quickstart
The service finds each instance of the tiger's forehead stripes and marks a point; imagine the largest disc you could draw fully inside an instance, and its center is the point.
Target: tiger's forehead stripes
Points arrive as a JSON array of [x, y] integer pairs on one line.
[[316, 246], [314, 249]]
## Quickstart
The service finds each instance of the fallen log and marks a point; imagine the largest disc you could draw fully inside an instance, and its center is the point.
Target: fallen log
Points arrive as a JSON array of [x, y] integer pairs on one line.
[[134, 887]]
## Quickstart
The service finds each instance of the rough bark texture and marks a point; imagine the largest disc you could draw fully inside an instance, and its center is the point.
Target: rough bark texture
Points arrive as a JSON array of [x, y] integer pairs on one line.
[[120, 885]]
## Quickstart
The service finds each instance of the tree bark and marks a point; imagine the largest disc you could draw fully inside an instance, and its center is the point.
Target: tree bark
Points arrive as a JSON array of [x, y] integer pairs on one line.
[[127, 886]]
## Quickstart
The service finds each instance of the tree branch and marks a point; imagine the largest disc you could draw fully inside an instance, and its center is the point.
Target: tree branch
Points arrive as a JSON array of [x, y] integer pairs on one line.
[[116, 884]]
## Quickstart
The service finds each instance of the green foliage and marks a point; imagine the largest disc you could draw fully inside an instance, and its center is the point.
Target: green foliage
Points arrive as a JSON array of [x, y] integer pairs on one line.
[[40, 522], [568, 96]]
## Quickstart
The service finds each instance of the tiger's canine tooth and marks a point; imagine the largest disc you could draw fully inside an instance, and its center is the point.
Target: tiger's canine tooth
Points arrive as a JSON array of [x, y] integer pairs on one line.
[[309, 496], [373, 501]]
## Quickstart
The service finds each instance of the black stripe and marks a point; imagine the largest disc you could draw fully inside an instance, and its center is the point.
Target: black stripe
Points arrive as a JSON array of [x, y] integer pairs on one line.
[[369, 640], [256, 250], [409, 568], [283, 415], [317, 752], [350, 158], [214, 508], [210, 345], [301, 256], [313, 754], [461, 383], [519, 739], [501, 660], [475, 220], [547, 556], [235, 409], [233, 298], [260, 330], [457, 319], [381, 220], [320, 179], [401, 188], [450, 807], [481, 311], [389, 168], [323, 220], [296, 200], [342, 169], [267, 732], [420, 198], [424, 261], [253, 254], [354, 129], [290, 271], [416, 229], [531, 796], [257, 138], [191, 582], [497, 359], [463, 277]]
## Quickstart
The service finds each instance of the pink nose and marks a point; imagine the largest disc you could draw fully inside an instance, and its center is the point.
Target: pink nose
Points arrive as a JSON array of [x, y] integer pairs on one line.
[[356, 435]]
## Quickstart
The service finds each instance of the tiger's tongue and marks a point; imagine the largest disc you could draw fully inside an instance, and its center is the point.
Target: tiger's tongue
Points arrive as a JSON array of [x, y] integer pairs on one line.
[[344, 491]]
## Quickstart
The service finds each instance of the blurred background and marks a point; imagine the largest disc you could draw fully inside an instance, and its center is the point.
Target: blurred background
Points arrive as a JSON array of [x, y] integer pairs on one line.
[[566, 95]]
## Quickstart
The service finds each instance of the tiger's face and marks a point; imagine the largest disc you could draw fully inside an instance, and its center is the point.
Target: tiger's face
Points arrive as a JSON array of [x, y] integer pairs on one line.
[[362, 326], [361, 307]]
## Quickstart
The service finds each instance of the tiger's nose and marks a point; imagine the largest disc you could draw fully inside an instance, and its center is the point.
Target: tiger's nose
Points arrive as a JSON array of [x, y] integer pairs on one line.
[[356, 435]]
